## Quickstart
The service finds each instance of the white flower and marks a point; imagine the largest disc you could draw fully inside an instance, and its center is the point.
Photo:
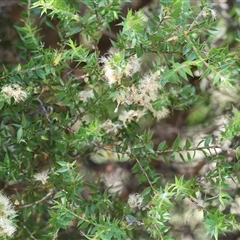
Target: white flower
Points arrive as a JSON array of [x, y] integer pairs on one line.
[[14, 91], [110, 127], [149, 86], [160, 114], [162, 69], [135, 200], [42, 176], [205, 13], [213, 13], [209, 12], [127, 116], [84, 95], [112, 75], [103, 60], [130, 96], [6, 208], [133, 66], [113, 67], [7, 228]]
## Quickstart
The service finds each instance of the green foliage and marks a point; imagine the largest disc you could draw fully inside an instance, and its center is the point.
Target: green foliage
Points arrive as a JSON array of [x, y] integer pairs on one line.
[[234, 125], [48, 112]]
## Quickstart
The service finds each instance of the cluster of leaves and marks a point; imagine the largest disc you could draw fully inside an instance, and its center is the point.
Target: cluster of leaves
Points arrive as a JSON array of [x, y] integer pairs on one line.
[[62, 112]]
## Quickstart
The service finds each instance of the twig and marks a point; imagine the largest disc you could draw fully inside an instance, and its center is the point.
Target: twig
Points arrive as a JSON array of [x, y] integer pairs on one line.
[[49, 195], [82, 77], [81, 218], [44, 110], [167, 150], [23, 71], [55, 235], [195, 20], [189, 149], [144, 173], [29, 232]]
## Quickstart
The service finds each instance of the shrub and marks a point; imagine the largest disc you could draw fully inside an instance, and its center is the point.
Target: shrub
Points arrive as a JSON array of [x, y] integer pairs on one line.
[[62, 107]]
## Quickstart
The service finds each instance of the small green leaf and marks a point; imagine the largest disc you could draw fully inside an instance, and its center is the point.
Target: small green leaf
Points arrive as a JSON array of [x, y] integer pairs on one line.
[[44, 137], [166, 159], [146, 191], [189, 157], [216, 79], [1, 104], [205, 73], [176, 143], [40, 73], [162, 146], [19, 68], [182, 157], [186, 49], [183, 74], [83, 224], [224, 198], [62, 170], [200, 143], [187, 144], [24, 121], [19, 134], [188, 71], [192, 56], [207, 141]]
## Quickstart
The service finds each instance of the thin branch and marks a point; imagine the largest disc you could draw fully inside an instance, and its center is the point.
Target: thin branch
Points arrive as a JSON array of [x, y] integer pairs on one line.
[[195, 20], [44, 110], [167, 150], [190, 149], [81, 77], [81, 218], [30, 234], [150, 183], [48, 196], [24, 71]]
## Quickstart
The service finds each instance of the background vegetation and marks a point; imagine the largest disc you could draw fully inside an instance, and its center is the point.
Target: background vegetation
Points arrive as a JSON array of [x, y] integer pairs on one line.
[[119, 120]]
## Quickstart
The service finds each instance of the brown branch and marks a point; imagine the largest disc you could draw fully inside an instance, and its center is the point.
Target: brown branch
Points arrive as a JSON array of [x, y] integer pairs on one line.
[[23, 71], [143, 171], [44, 109], [189, 149], [30, 234], [48, 196]]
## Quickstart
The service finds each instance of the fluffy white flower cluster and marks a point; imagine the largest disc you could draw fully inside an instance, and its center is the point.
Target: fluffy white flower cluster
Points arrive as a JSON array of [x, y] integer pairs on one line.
[[124, 117], [7, 228], [85, 94], [135, 201], [133, 66], [128, 116], [42, 176], [142, 95], [208, 12], [110, 127], [114, 70], [14, 91]]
